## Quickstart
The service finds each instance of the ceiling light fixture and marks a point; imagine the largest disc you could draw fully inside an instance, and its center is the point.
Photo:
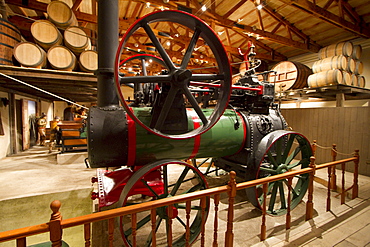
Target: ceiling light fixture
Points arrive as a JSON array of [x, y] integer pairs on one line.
[[204, 8], [147, 5], [259, 6]]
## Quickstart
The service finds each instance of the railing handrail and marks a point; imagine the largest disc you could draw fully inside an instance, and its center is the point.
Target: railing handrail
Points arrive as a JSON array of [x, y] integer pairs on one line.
[[109, 214]]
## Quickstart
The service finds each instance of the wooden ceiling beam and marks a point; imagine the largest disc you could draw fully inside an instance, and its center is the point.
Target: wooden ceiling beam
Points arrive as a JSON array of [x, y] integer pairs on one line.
[[267, 35], [360, 29], [233, 9], [350, 11], [280, 19], [211, 16], [76, 5]]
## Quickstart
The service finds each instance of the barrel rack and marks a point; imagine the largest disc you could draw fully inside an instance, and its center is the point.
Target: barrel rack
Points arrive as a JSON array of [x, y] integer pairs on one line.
[[78, 86], [338, 93]]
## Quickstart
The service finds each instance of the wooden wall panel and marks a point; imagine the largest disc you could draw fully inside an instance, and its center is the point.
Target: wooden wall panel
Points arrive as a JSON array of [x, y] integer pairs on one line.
[[348, 127]]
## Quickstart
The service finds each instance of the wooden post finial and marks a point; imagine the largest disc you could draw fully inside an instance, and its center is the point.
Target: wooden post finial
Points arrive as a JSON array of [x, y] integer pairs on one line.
[[54, 224], [55, 206]]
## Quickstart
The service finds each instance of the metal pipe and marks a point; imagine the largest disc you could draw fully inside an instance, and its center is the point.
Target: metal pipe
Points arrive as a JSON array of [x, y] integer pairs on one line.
[[107, 47]]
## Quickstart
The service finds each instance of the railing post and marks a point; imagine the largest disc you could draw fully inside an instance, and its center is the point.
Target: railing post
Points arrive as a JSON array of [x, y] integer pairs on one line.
[[355, 175], [328, 199], [263, 224], [309, 205], [54, 224], [288, 215], [333, 177], [216, 200], [314, 146], [343, 191], [231, 191]]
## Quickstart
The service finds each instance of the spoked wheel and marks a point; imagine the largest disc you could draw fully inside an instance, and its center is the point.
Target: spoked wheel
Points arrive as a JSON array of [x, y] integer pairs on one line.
[[196, 37], [159, 180], [278, 152]]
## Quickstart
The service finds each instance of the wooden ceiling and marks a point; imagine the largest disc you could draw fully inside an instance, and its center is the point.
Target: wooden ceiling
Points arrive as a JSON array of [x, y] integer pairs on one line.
[[280, 30]]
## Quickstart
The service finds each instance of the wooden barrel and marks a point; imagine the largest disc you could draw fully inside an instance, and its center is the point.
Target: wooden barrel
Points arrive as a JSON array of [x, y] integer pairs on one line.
[[290, 75], [9, 37], [354, 80], [61, 14], [336, 62], [357, 52], [325, 78], [359, 67], [46, 34], [76, 40], [88, 61], [61, 58], [346, 78], [351, 65], [341, 48], [361, 81], [30, 55]]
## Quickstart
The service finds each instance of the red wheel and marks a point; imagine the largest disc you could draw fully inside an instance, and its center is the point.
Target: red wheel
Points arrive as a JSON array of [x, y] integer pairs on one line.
[[197, 35]]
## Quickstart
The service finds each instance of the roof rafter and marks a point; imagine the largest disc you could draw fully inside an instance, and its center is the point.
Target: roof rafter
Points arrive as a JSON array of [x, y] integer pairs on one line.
[[211, 16], [361, 29]]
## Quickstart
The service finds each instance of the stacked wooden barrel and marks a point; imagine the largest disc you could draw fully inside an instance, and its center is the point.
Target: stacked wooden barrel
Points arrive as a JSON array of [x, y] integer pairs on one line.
[[289, 75], [10, 36], [338, 64], [59, 43]]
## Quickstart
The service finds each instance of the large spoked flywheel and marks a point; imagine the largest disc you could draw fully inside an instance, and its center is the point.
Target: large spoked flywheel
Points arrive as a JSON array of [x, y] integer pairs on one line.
[[163, 179], [278, 152], [191, 53]]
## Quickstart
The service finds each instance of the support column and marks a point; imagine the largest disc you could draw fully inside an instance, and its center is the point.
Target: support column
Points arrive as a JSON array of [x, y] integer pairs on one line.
[[12, 123]]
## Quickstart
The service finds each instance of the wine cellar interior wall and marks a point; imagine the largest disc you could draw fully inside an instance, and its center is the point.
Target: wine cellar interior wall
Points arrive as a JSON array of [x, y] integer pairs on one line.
[[347, 127]]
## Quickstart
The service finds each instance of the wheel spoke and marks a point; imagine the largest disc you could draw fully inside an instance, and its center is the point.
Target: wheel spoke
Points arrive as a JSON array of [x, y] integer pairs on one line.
[[195, 105], [190, 48], [269, 170], [201, 163], [272, 159], [293, 155], [179, 181], [159, 47], [166, 108], [273, 197], [282, 195], [293, 165], [279, 147], [149, 187], [288, 147], [194, 188], [181, 222], [294, 192], [144, 79]]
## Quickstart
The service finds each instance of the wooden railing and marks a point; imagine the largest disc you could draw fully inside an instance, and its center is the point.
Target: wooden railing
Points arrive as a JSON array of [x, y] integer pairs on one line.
[[56, 224]]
